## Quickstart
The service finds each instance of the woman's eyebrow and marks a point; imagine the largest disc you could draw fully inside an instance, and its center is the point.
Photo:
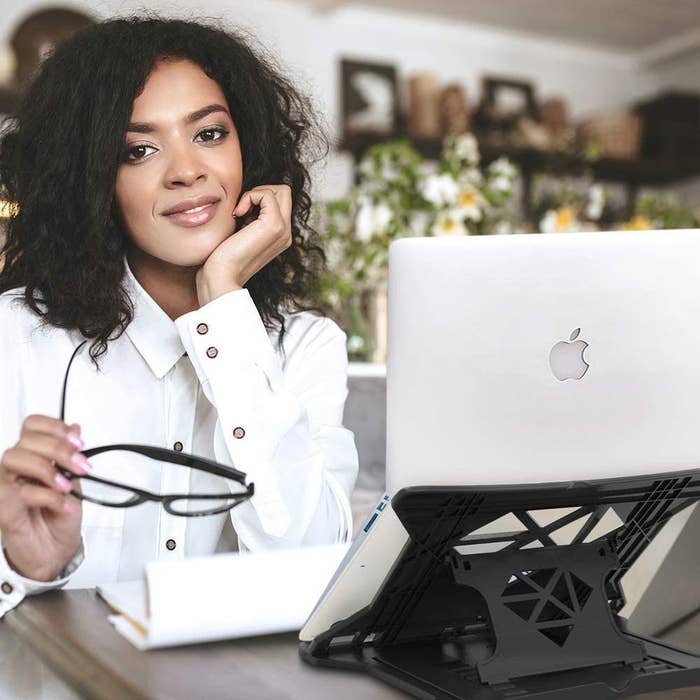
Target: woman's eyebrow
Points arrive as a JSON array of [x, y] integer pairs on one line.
[[146, 128]]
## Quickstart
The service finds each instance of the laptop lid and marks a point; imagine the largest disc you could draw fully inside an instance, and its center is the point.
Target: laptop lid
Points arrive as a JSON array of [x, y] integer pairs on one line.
[[542, 357]]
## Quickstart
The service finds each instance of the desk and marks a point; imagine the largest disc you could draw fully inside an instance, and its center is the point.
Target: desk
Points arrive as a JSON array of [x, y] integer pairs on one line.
[[69, 629]]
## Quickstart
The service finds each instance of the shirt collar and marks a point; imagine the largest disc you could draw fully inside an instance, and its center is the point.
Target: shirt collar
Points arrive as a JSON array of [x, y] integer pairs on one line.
[[153, 333]]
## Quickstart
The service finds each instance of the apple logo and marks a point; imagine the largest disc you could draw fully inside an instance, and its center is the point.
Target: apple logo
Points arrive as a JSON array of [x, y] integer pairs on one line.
[[566, 358]]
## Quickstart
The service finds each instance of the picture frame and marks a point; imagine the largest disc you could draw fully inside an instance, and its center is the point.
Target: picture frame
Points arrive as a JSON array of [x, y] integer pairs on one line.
[[369, 99], [505, 101]]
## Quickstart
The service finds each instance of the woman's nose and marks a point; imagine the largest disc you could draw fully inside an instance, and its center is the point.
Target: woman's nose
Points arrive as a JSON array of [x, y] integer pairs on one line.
[[184, 167]]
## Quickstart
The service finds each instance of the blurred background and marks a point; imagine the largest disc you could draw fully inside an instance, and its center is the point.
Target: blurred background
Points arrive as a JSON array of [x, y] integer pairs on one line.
[[470, 118]]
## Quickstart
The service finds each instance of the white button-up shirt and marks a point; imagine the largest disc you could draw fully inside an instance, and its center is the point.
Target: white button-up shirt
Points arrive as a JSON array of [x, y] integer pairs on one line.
[[214, 381]]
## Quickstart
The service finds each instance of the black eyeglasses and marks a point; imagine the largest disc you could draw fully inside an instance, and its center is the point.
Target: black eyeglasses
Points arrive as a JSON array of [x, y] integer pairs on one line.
[[115, 495]]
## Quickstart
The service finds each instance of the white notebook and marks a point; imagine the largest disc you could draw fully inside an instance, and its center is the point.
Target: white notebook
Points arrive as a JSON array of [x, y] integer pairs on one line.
[[221, 597]]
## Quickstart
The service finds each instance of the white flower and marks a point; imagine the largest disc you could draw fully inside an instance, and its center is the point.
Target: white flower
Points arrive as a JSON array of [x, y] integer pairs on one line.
[[548, 224], [371, 220], [471, 176], [449, 223], [440, 190], [469, 204], [333, 298], [502, 167], [596, 202], [561, 220], [501, 183], [389, 172], [467, 148], [355, 343], [502, 228], [366, 166], [418, 223]]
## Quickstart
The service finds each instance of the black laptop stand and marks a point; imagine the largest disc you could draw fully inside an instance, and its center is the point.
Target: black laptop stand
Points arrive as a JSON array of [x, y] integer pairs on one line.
[[528, 611]]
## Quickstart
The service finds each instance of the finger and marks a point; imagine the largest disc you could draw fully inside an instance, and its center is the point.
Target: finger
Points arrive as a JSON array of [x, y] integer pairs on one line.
[[39, 497], [263, 197], [53, 426], [20, 464], [59, 449], [277, 190], [283, 194], [243, 205]]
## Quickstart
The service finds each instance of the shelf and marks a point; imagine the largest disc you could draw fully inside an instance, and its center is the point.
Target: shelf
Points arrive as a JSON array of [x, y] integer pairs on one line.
[[633, 173]]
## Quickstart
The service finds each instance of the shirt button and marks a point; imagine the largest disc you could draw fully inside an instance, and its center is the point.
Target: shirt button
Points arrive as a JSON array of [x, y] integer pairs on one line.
[[202, 328], [6, 587], [238, 432], [178, 446], [170, 544], [212, 352]]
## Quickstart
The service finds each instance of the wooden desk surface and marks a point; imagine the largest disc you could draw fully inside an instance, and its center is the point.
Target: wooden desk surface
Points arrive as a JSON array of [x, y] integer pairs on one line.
[[69, 629]]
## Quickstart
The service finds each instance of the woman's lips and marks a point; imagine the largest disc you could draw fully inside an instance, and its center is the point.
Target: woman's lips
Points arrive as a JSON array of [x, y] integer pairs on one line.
[[194, 217]]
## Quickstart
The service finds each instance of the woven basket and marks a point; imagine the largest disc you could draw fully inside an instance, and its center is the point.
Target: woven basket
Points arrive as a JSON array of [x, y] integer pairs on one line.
[[617, 135]]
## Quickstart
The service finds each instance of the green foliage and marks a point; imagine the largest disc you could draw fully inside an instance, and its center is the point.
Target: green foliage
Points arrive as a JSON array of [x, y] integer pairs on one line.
[[399, 194], [665, 211]]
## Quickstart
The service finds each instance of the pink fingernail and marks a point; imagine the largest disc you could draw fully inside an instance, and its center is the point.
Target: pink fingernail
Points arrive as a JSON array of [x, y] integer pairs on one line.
[[81, 462], [63, 483], [75, 441]]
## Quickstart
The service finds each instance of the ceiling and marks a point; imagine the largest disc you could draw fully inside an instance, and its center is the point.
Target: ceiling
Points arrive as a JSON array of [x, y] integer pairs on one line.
[[634, 26]]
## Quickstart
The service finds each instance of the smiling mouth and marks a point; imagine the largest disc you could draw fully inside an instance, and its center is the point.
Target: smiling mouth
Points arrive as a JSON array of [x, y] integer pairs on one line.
[[196, 209], [195, 216]]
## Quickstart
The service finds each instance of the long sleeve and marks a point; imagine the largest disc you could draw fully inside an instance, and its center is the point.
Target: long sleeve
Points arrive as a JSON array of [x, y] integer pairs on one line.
[[281, 424], [13, 587]]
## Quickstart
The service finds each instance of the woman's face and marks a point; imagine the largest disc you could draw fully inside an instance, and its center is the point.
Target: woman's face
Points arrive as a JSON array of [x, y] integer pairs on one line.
[[181, 144]]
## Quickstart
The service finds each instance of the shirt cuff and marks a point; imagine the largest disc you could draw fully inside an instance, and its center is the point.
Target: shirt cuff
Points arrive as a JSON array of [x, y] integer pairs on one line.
[[231, 320], [14, 587]]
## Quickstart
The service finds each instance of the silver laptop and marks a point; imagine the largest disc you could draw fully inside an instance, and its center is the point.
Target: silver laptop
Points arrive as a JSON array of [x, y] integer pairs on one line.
[[534, 358], [530, 358]]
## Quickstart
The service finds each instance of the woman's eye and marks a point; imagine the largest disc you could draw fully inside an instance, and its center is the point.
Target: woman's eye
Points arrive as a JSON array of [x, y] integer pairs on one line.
[[214, 130], [136, 150]]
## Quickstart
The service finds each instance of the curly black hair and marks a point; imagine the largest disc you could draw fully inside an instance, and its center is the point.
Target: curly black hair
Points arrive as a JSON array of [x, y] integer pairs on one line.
[[60, 151]]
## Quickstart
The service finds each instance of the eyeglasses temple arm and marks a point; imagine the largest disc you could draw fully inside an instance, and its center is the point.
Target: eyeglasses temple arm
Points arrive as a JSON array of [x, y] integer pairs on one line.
[[182, 458], [65, 381]]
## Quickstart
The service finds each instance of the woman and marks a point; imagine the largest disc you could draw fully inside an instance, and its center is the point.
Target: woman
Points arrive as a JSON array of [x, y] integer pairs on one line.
[[163, 217]]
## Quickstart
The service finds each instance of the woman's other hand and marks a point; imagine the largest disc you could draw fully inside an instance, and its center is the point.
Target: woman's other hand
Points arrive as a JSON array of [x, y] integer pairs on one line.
[[39, 520], [258, 241]]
